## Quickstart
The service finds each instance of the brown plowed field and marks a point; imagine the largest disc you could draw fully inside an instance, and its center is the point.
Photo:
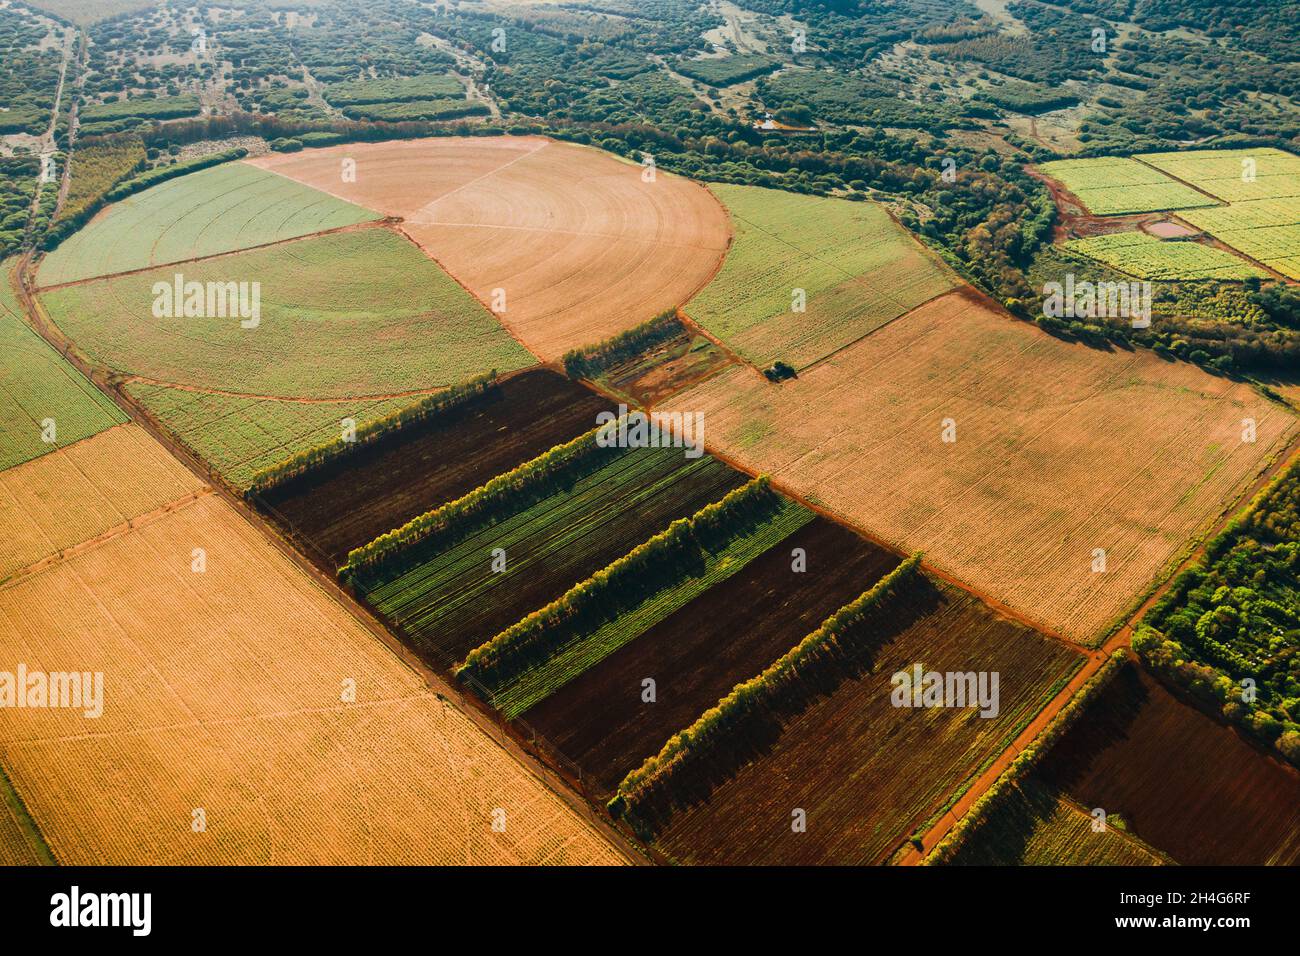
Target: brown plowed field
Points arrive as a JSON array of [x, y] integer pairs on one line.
[[1184, 783], [697, 655], [61, 499], [1060, 449], [389, 483], [582, 247], [223, 691], [867, 773]]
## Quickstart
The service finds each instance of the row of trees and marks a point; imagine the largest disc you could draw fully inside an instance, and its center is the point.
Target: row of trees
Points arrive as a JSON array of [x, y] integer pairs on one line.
[[591, 361], [790, 676], [505, 495], [368, 433], [643, 571]]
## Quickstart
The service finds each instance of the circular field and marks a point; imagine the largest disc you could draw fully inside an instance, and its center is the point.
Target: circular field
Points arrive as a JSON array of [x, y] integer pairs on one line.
[[567, 244]]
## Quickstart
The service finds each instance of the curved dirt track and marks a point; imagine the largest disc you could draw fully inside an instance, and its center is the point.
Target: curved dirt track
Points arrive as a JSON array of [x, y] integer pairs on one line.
[[581, 245]]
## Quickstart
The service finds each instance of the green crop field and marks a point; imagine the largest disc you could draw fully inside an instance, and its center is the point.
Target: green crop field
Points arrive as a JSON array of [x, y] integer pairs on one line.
[[222, 209], [1111, 185], [36, 384], [240, 436], [726, 70], [857, 268], [429, 86], [584, 650], [1146, 257], [1233, 175], [353, 314], [1264, 229]]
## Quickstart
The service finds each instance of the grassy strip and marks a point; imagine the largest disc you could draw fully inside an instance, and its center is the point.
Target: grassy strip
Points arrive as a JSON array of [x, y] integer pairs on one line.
[[505, 494], [587, 650], [368, 433], [35, 839], [656, 563], [755, 695], [591, 361], [1025, 762]]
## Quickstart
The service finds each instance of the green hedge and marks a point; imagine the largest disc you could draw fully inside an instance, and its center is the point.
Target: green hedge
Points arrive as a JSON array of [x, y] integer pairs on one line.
[[753, 696], [640, 571], [454, 521], [367, 434], [164, 173], [591, 361]]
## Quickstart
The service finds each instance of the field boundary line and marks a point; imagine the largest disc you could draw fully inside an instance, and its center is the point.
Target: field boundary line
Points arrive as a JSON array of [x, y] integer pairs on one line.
[[455, 696], [386, 223], [492, 172], [133, 379], [63, 555]]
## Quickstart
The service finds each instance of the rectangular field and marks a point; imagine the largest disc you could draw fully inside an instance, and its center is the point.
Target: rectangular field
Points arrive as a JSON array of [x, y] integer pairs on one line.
[[38, 385], [1111, 185], [74, 494], [1233, 175], [1059, 450], [451, 603], [245, 696], [696, 655], [222, 209], [387, 484], [1184, 783], [856, 267], [1146, 257], [865, 772]]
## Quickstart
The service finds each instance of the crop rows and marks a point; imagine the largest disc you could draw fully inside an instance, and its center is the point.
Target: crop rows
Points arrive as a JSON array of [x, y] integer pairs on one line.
[[1147, 257], [454, 601], [1110, 185]]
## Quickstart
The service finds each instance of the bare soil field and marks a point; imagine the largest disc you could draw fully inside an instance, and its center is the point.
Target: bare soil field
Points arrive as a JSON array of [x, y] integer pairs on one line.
[[229, 734], [867, 773], [71, 495], [581, 247], [702, 651], [1059, 450], [392, 481], [1182, 782]]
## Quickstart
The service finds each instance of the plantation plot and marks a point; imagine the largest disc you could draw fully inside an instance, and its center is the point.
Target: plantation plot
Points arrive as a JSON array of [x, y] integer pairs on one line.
[[1110, 185], [1035, 826], [1233, 175], [1264, 229], [383, 486], [353, 314], [1147, 257], [1181, 781], [76, 493], [856, 269], [216, 210], [455, 600], [866, 773], [239, 436], [567, 244], [38, 387], [244, 698], [1055, 450], [601, 720]]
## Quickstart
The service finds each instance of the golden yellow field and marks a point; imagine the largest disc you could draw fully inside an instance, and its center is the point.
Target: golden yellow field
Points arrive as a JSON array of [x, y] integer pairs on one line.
[[1059, 450], [227, 698], [71, 495]]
